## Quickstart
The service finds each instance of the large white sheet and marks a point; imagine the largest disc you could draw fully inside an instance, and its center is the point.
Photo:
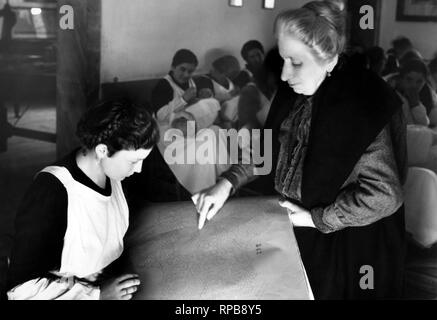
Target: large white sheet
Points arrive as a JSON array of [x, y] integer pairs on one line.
[[247, 252]]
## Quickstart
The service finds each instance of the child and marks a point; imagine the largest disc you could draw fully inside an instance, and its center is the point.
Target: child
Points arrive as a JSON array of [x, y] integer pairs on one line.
[[72, 221]]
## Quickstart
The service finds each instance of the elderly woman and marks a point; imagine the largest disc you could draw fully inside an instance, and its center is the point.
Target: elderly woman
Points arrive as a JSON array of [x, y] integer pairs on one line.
[[339, 149]]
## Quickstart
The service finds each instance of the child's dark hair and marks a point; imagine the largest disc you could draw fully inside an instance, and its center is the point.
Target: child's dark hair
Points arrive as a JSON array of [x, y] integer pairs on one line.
[[119, 125], [184, 56], [251, 45]]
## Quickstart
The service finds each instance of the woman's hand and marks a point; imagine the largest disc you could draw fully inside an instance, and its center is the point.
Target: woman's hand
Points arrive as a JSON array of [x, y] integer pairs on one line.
[[299, 216], [211, 200], [120, 288]]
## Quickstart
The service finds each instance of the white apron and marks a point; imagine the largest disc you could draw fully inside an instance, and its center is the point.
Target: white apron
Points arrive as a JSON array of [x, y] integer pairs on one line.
[[221, 93], [96, 225]]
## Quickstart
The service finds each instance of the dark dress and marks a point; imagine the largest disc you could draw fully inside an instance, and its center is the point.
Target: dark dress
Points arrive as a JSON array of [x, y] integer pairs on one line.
[[41, 223]]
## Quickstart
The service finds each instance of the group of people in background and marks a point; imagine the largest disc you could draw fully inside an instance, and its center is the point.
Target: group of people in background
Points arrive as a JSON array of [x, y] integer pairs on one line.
[[413, 78], [227, 97]]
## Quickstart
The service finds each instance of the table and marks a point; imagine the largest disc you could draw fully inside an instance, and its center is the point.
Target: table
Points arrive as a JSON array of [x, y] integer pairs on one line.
[[248, 252]]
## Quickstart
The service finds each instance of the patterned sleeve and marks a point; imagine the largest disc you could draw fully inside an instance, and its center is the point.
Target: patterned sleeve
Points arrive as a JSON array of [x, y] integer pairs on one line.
[[40, 226], [373, 190]]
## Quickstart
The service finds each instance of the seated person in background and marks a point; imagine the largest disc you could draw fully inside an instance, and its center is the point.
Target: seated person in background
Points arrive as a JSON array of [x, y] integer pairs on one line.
[[248, 107], [270, 76], [223, 70], [410, 55], [177, 99], [260, 91], [253, 53], [427, 94], [176, 90], [71, 223], [376, 59], [177, 94], [392, 64], [409, 84], [400, 46], [266, 85]]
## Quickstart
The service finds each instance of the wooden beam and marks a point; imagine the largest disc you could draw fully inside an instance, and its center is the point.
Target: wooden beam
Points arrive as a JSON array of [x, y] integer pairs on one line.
[[78, 74]]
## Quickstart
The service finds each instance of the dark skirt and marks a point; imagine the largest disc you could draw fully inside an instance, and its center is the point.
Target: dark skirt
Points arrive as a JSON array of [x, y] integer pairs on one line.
[[340, 264]]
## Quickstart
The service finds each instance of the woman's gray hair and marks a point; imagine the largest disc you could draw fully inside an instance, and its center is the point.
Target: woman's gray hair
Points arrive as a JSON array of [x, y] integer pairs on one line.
[[321, 25]]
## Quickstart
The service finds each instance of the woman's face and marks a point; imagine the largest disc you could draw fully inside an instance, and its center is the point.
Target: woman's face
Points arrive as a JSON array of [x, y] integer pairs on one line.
[[183, 72], [303, 72], [413, 81], [124, 163]]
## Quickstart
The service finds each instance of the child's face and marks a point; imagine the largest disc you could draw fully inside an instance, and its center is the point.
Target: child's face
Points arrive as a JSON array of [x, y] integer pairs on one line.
[[205, 93], [124, 163]]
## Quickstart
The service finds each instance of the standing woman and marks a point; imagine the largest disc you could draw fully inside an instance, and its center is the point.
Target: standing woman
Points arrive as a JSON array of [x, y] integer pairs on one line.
[[72, 221], [340, 161]]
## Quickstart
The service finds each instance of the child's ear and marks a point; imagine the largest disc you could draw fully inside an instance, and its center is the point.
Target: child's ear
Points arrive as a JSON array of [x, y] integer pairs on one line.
[[332, 64], [101, 151]]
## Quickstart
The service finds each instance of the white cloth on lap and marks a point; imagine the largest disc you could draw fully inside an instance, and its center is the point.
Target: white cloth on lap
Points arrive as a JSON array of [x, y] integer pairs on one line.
[[205, 112], [60, 289], [192, 175], [230, 109], [419, 141], [421, 205]]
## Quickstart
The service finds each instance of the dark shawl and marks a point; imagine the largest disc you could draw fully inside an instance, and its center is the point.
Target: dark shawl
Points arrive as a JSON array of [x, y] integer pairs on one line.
[[350, 109]]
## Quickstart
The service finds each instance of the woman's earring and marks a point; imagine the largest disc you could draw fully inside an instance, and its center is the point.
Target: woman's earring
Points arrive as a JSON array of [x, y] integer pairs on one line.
[[328, 74]]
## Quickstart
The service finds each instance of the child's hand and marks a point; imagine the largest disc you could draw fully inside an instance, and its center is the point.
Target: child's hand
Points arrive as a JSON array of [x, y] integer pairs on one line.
[[120, 288]]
